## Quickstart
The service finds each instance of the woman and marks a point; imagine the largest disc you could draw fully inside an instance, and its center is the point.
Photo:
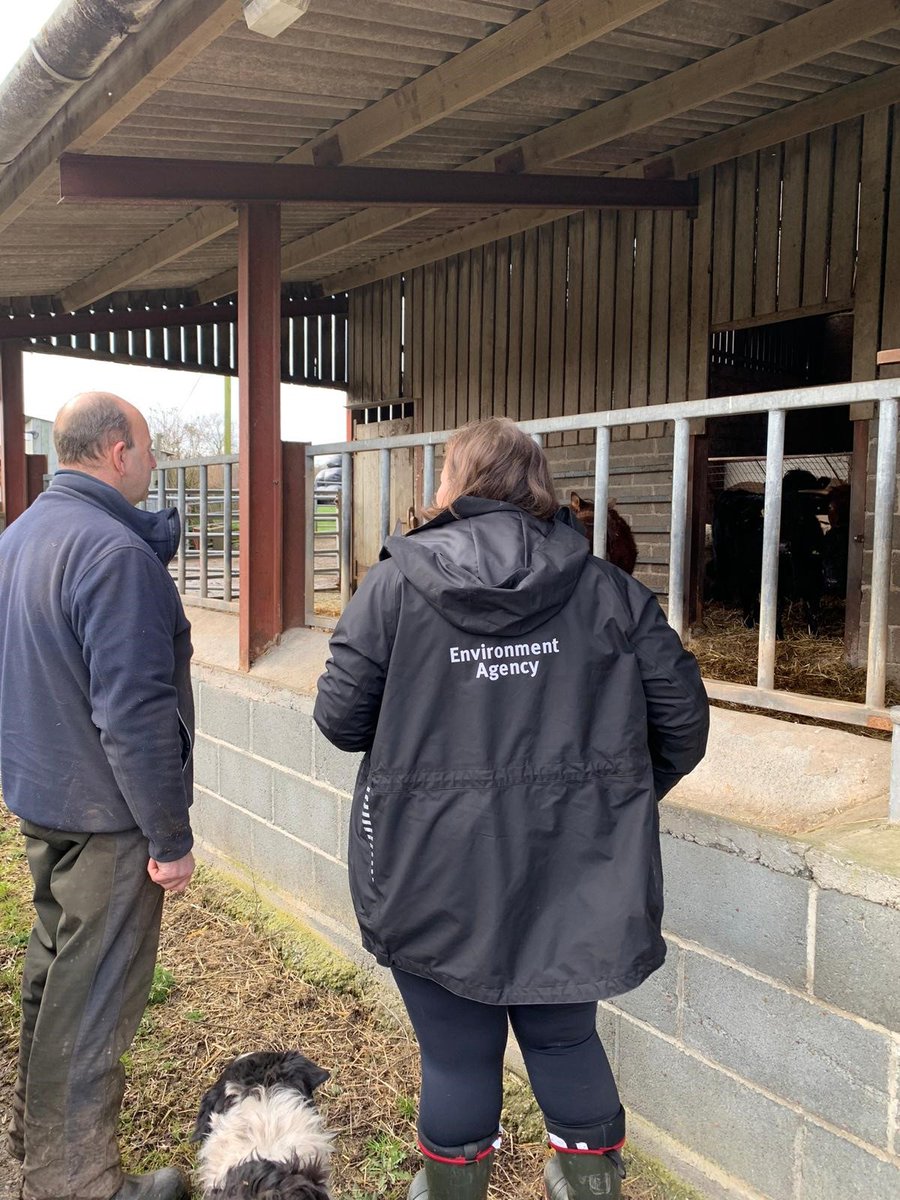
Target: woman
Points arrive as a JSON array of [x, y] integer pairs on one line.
[[523, 706]]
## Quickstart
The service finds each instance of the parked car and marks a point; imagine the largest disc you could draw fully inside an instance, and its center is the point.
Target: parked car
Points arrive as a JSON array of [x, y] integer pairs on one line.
[[328, 479]]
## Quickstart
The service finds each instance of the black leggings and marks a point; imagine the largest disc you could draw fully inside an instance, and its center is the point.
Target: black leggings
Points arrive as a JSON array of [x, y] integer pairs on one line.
[[462, 1044]]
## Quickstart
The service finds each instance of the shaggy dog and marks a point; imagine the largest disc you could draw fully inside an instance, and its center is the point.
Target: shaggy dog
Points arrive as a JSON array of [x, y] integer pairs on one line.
[[260, 1133]]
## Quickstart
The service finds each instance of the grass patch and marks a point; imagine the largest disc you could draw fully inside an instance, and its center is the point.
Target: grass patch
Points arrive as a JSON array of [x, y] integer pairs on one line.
[[235, 975]]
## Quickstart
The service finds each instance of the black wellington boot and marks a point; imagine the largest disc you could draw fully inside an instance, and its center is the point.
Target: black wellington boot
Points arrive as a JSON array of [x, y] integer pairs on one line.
[[461, 1173], [166, 1184], [584, 1176]]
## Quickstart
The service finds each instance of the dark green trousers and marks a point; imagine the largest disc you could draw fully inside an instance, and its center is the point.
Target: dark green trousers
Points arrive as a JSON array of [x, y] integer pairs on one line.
[[88, 970]]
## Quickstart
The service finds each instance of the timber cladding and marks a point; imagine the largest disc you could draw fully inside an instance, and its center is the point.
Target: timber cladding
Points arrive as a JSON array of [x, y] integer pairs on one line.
[[615, 309]]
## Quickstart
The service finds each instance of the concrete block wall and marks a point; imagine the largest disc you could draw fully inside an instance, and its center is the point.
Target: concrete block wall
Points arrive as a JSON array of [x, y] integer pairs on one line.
[[763, 1059]]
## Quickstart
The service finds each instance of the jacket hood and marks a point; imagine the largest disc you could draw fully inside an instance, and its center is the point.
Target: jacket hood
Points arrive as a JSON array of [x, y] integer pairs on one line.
[[160, 530], [490, 568]]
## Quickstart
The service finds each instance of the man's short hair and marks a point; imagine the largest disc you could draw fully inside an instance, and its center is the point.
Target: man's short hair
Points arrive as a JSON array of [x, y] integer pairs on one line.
[[89, 429]]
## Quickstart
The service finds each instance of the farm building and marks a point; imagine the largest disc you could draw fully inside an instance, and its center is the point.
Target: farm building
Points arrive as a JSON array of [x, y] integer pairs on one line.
[[663, 233]]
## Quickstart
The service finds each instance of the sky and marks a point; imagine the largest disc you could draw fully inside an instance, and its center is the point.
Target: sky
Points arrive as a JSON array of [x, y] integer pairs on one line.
[[307, 414], [19, 23]]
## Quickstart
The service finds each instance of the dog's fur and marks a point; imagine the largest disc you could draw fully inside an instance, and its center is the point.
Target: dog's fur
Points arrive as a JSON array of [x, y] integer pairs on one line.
[[262, 1137]]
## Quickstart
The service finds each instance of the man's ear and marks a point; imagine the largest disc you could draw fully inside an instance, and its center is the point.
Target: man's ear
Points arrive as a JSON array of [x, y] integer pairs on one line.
[[118, 456]]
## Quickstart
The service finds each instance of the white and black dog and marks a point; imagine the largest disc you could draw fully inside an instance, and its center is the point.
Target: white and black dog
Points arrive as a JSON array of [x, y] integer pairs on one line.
[[261, 1136]]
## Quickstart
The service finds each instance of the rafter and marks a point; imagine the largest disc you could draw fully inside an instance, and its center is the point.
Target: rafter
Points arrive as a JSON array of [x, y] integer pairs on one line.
[[554, 29], [806, 37], [842, 104]]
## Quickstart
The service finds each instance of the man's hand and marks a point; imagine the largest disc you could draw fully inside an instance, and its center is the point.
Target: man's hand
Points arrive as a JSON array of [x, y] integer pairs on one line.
[[172, 877]]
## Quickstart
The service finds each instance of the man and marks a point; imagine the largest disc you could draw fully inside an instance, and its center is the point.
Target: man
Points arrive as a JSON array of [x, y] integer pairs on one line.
[[96, 736]]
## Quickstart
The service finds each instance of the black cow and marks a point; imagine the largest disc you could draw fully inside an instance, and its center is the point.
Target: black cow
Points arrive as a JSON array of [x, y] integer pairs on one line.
[[737, 530]]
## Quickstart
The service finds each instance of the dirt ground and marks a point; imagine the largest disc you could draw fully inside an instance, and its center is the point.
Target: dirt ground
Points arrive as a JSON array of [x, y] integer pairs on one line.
[[234, 976]]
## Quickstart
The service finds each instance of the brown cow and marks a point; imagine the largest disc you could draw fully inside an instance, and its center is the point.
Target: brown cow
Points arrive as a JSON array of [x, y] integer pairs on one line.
[[621, 550]]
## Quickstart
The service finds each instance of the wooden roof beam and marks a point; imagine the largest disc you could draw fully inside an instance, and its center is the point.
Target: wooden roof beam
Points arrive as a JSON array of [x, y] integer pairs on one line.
[[806, 37], [842, 104], [554, 29], [174, 34], [109, 179]]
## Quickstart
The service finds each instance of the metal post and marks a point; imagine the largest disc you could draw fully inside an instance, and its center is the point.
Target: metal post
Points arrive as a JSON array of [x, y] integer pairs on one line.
[[346, 529], [768, 595], [894, 797], [885, 491], [384, 493], [182, 545], [428, 476], [601, 489], [678, 528], [226, 533], [160, 488], [204, 531]]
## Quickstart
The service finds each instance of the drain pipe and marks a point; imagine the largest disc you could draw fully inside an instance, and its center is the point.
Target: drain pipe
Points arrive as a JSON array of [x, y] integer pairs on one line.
[[77, 38]]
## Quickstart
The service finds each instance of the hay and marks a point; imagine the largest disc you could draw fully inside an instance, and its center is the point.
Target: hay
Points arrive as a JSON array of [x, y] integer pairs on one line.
[[234, 976], [815, 666]]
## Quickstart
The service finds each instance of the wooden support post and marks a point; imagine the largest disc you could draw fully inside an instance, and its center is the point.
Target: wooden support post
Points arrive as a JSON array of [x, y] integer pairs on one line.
[[13, 474], [259, 360], [294, 565], [35, 470]]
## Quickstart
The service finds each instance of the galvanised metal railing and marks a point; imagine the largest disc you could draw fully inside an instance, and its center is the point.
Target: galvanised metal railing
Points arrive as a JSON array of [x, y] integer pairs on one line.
[[206, 566], [886, 393]]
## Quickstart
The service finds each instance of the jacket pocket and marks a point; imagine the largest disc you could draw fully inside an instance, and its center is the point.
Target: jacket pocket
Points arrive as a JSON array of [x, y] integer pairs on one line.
[[364, 852]]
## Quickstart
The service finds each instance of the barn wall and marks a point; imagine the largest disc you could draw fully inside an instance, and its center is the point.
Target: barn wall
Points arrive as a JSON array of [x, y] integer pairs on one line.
[[774, 944], [615, 309]]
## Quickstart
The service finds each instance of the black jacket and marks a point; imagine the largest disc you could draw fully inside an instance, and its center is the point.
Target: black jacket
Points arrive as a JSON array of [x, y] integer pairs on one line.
[[524, 706], [96, 708]]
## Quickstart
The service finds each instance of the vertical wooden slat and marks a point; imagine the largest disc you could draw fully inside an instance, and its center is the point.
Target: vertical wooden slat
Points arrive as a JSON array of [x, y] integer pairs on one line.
[[590, 301], [409, 350], [451, 347], [606, 321], [679, 307], [793, 213], [768, 223], [844, 210], [529, 319], [723, 243], [544, 304], [395, 385], [644, 266], [463, 323], [340, 347], [490, 335], [572, 369], [516, 306], [440, 346], [552, 401], [890, 313], [429, 303], [623, 300], [418, 343], [501, 327], [660, 298], [820, 184], [701, 260], [867, 306], [744, 236], [474, 321]]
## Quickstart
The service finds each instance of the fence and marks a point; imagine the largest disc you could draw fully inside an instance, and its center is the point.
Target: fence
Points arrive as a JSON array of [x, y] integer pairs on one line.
[[872, 712]]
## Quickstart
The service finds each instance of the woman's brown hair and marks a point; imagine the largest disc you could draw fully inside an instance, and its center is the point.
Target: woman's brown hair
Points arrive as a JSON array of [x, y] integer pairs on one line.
[[495, 460]]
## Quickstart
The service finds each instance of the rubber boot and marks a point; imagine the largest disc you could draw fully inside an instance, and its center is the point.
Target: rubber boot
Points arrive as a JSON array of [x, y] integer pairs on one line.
[[460, 1173], [166, 1184], [584, 1176]]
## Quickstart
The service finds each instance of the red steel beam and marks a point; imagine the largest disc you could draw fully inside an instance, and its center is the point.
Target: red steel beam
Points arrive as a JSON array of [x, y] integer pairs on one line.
[[12, 432], [104, 178], [260, 467], [64, 324]]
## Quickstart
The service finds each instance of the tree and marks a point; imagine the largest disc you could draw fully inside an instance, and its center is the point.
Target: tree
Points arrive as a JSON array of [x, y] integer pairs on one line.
[[178, 436]]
